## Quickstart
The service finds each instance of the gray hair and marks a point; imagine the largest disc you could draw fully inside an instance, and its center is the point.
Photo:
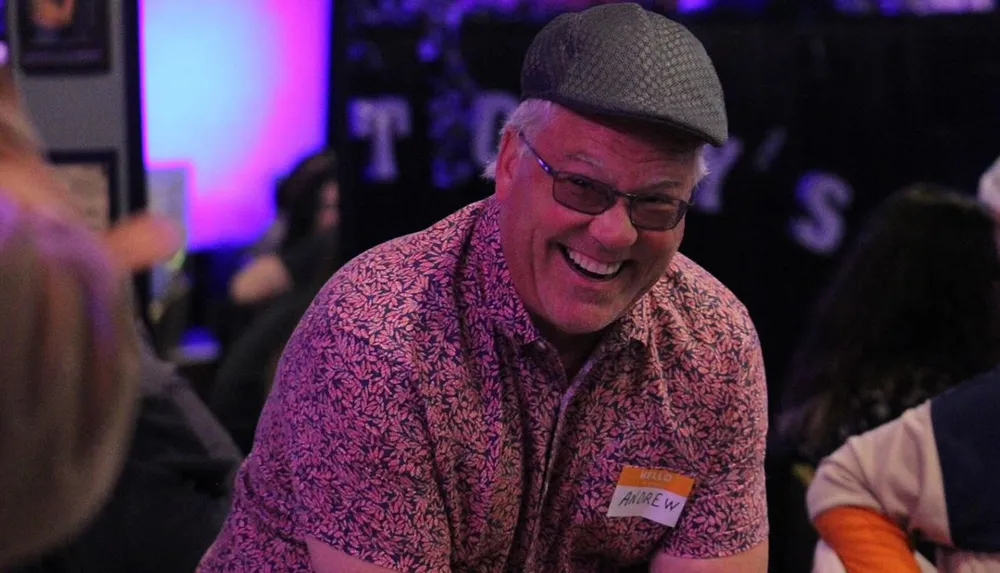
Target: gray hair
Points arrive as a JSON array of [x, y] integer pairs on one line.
[[532, 115], [529, 117]]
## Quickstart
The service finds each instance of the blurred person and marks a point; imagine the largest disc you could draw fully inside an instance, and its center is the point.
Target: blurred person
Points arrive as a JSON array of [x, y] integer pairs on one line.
[[151, 485], [912, 310], [172, 494], [305, 231], [538, 382], [930, 474], [989, 189], [69, 361]]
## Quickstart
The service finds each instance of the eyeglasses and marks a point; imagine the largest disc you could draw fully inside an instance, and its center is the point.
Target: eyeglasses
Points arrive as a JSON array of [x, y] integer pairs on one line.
[[649, 211]]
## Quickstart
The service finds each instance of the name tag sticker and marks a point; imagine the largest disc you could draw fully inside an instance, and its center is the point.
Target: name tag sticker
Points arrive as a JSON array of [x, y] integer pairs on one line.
[[658, 495]]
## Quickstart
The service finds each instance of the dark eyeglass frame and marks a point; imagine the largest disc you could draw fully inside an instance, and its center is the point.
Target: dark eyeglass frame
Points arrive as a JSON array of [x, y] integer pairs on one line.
[[609, 194]]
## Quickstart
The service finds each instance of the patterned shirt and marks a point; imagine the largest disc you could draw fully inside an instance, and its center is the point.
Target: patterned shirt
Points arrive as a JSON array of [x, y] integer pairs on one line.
[[421, 423]]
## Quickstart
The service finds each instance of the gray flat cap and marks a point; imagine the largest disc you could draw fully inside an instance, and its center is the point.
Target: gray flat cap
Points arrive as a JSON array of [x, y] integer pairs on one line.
[[623, 60]]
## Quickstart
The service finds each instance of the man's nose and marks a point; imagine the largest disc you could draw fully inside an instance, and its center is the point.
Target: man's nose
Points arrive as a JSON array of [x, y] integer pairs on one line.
[[613, 228]]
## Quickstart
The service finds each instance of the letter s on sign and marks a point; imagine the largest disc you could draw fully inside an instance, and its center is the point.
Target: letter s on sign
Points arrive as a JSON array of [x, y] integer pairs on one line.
[[823, 196]]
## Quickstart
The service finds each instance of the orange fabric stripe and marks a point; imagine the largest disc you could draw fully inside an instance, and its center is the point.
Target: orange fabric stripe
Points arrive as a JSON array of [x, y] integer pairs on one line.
[[659, 479], [866, 541]]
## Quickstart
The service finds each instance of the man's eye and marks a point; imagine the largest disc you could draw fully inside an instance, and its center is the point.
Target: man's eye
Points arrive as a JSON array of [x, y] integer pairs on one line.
[[582, 182], [657, 199]]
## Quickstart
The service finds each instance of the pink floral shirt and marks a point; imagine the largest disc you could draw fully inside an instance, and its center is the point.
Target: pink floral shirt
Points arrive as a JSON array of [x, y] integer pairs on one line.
[[420, 422]]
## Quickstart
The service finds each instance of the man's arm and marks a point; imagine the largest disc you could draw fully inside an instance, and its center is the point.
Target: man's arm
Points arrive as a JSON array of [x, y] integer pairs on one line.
[[752, 561], [724, 526], [342, 463], [326, 559]]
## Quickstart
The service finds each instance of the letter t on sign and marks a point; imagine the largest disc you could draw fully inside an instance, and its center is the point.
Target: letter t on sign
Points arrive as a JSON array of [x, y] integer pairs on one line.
[[381, 121]]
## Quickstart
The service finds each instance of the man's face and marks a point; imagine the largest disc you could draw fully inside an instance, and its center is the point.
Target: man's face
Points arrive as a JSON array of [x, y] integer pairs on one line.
[[328, 212], [577, 273]]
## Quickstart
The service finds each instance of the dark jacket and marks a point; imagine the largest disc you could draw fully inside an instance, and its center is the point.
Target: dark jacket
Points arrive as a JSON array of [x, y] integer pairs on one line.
[[173, 494]]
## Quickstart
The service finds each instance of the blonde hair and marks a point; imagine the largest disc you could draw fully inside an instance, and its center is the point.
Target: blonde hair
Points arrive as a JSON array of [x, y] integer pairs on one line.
[[17, 134], [69, 357]]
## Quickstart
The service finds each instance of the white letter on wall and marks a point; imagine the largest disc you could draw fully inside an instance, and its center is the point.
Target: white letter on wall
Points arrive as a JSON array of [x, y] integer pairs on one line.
[[380, 120], [823, 196]]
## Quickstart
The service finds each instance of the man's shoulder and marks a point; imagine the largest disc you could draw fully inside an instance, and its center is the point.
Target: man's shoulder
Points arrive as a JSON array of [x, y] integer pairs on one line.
[[436, 249], [696, 303], [394, 287]]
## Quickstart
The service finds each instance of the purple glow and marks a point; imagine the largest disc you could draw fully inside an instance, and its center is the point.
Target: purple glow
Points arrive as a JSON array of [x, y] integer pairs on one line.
[[237, 89], [693, 5]]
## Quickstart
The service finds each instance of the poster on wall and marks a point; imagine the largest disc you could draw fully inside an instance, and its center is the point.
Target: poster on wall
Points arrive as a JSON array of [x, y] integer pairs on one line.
[[58, 37], [90, 177]]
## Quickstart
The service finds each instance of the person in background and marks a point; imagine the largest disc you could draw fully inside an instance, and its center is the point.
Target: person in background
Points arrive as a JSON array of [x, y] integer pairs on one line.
[[69, 360], [108, 460], [989, 189], [913, 309], [930, 474], [173, 492], [883, 498], [539, 382], [305, 233]]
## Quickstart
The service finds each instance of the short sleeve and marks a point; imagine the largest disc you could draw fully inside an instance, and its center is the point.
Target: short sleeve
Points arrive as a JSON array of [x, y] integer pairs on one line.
[[341, 455], [727, 511]]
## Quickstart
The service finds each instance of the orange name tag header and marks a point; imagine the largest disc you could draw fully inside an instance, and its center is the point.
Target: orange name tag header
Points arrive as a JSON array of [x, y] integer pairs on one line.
[[666, 480]]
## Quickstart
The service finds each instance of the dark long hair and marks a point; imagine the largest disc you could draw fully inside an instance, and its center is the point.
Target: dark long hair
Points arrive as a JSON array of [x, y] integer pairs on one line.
[[298, 194], [913, 309]]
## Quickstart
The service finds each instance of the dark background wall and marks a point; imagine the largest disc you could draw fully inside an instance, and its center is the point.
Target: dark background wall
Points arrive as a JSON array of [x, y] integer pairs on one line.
[[827, 118]]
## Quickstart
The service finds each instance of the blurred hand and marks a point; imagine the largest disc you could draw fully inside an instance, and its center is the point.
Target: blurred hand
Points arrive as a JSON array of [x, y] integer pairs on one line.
[[134, 244], [262, 278]]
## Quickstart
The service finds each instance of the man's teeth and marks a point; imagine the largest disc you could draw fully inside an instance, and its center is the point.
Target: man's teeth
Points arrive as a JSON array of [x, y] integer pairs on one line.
[[588, 264]]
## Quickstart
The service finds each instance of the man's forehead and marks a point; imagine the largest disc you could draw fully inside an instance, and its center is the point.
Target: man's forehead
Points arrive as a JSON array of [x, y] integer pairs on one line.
[[656, 172]]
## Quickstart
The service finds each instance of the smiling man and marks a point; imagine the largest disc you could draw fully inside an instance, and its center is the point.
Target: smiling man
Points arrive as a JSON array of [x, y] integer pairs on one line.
[[539, 382]]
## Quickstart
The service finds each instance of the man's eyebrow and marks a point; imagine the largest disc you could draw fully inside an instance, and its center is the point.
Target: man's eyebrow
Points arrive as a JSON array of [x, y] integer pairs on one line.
[[655, 188], [584, 158], [658, 188]]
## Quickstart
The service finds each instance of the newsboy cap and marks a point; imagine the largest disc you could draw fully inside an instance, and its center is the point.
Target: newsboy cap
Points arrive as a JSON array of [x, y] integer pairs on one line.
[[623, 60]]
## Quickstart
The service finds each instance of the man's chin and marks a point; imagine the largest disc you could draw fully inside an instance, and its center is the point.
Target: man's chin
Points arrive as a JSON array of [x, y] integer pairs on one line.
[[582, 322]]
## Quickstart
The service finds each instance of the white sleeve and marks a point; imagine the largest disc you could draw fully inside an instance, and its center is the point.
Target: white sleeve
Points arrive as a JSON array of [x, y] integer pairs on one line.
[[894, 470]]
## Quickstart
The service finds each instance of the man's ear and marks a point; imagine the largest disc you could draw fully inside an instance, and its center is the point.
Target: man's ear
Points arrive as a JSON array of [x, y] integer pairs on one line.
[[507, 157]]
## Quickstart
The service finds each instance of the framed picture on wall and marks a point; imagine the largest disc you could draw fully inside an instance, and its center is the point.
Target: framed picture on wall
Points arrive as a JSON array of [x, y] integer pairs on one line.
[[92, 180], [58, 37]]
